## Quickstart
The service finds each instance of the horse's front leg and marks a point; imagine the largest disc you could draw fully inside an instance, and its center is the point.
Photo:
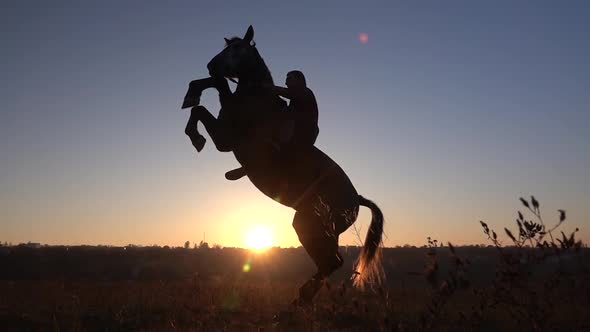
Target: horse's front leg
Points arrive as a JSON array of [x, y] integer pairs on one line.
[[200, 113], [192, 131], [195, 88], [216, 129]]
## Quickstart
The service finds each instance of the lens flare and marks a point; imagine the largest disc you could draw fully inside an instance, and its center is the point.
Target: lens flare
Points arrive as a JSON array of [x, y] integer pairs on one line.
[[246, 267], [363, 37]]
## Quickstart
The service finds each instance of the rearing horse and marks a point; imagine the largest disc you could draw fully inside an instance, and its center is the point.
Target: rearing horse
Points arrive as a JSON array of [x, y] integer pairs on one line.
[[323, 196]]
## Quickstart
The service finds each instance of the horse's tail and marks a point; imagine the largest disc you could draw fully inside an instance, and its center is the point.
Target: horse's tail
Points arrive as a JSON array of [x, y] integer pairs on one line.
[[368, 268]]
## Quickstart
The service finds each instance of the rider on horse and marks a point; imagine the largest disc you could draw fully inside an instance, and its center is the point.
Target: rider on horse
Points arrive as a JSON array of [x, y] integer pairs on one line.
[[322, 195], [303, 115]]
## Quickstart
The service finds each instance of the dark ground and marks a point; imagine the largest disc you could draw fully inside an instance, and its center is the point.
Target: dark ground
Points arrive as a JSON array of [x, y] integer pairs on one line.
[[113, 288]]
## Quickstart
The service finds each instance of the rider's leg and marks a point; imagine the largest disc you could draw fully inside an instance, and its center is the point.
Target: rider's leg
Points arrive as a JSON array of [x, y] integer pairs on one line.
[[289, 155]]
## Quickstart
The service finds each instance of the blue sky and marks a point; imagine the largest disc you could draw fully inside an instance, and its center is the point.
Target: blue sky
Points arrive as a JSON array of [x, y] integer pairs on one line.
[[448, 114]]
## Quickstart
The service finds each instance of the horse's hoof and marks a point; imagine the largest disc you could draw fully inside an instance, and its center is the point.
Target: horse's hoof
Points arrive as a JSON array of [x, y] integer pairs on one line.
[[199, 142], [301, 302], [285, 319]]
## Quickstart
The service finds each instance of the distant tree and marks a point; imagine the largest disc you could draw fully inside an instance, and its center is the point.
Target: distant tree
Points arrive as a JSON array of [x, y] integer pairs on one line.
[[187, 244], [203, 245]]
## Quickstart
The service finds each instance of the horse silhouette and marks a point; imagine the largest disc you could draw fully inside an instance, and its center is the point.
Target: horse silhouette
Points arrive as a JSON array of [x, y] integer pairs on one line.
[[325, 201]]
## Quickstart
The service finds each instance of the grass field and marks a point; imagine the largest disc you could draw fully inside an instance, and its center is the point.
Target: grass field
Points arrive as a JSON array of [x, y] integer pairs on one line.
[[229, 299]]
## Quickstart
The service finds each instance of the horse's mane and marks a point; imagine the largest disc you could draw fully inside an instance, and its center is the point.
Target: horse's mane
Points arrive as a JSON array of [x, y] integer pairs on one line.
[[264, 67]]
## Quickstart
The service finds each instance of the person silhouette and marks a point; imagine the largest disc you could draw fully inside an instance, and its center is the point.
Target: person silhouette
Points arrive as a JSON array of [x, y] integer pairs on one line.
[[302, 116]]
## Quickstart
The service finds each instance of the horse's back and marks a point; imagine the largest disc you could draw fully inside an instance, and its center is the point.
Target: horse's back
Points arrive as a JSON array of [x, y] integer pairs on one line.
[[326, 181]]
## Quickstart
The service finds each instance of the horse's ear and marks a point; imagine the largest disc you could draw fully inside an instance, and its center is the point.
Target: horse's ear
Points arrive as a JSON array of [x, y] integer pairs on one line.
[[226, 41], [249, 34]]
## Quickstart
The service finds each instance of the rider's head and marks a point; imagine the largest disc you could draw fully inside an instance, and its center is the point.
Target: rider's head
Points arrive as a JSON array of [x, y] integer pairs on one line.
[[295, 79]]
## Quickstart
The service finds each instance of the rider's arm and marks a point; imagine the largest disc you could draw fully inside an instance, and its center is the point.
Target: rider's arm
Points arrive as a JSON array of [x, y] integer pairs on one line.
[[283, 92], [303, 96]]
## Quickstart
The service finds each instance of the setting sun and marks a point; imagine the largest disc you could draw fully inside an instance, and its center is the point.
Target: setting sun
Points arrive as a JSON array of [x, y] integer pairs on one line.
[[258, 238]]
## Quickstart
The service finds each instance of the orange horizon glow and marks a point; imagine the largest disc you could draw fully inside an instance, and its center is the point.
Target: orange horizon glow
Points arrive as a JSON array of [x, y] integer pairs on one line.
[[172, 225]]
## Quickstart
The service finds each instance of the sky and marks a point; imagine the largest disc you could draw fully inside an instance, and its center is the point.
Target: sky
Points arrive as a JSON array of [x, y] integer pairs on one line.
[[442, 112]]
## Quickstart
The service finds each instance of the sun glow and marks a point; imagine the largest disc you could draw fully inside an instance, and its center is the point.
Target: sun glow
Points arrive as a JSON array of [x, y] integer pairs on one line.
[[259, 238]]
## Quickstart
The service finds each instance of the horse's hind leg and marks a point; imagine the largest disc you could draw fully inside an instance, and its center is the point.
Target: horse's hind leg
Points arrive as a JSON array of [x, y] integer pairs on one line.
[[317, 235]]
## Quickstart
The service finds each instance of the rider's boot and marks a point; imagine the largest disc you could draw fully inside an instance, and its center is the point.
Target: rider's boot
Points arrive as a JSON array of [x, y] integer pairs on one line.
[[235, 174]]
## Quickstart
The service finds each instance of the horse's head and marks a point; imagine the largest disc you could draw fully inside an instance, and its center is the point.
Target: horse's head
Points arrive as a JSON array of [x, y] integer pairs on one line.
[[238, 58]]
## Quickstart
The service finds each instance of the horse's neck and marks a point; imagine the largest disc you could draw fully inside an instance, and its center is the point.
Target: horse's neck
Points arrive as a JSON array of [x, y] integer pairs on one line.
[[253, 91], [249, 90], [248, 87], [254, 101], [255, 79]]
